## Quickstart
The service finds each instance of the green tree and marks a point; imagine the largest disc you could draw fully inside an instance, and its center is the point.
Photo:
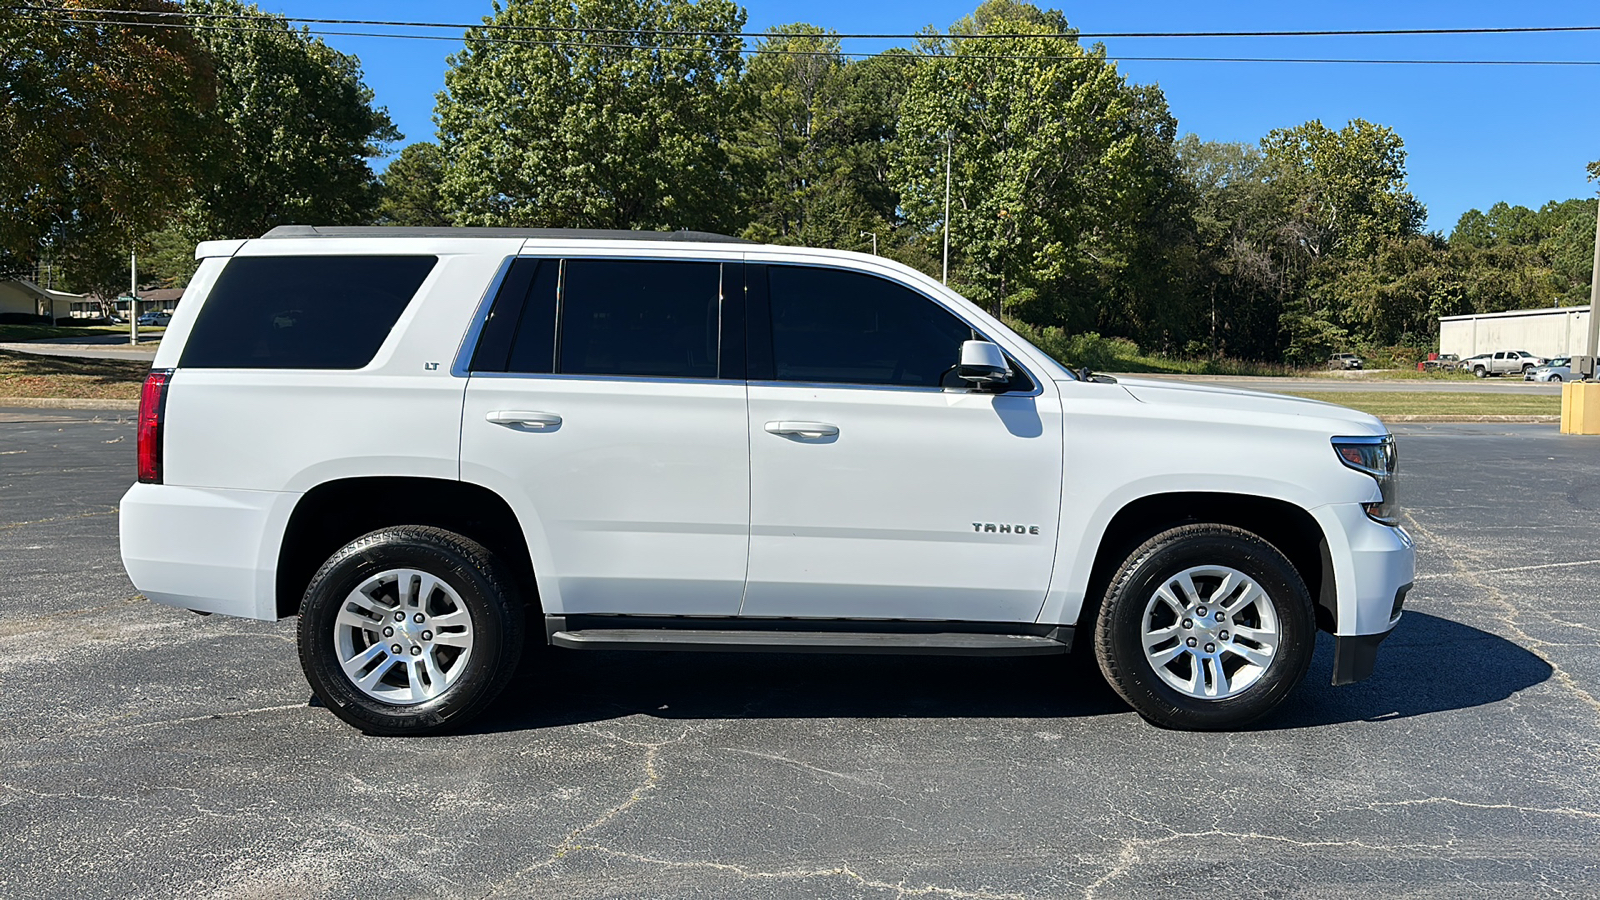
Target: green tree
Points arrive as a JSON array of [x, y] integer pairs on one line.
[[1064, 177], [1513, 257], [99, 123], [1240, 273], [408, 190], [1346, 188], [297, 127], [814, 149], [623, 127]]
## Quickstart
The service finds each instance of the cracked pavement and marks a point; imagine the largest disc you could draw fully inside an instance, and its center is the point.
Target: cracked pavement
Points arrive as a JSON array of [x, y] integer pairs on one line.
[[149, 752]]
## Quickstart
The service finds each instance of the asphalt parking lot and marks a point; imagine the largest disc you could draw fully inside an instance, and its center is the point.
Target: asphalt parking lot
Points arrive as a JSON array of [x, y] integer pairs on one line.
[[148, 752]]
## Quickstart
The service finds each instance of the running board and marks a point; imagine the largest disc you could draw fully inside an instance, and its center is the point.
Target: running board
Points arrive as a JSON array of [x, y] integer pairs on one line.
[[751, 640]]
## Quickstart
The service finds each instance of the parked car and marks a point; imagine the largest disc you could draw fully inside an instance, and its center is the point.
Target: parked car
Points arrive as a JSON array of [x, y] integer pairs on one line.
[[1445, 362], [1557, 369], [155, 318], [1344, 361], [710, 444], [1503, 362]]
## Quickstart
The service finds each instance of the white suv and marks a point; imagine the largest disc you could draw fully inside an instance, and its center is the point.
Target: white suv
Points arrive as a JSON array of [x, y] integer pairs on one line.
[[426, 442]]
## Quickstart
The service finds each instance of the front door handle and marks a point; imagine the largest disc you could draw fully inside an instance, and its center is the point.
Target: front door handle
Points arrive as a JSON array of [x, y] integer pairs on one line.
[[803, 429], [511, 418]]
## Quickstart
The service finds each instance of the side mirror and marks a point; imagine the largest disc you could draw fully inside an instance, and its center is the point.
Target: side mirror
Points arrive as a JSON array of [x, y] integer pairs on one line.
[[982, 363]]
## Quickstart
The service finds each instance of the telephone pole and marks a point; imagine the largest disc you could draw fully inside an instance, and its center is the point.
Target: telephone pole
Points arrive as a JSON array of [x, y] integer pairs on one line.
[[133, 297], [948, 138], [1591, 347]]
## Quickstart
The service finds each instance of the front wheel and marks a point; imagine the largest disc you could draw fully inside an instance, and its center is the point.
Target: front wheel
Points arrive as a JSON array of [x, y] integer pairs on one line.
[[1205, 627], [1480, 371], [1556, 378], [410, 630]]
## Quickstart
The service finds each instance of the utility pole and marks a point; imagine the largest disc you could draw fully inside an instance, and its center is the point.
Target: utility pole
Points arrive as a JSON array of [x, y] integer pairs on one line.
[[133, 297], [948, 138], [1586, 364], [874, 236]]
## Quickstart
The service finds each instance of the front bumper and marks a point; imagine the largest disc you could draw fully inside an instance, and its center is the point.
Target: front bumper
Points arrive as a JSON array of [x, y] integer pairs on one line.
[[1374, 567], [1355, 655]]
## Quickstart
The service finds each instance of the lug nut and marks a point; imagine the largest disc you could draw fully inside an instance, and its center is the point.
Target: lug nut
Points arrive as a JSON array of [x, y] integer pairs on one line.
[[399, 617], [415, 650], [388, 632], [1219, 615], [1201, 611], [428, 635], [1211, 648], [1223, 635], [418, 618], [1188, 623], [1191, 642], [396, 649]]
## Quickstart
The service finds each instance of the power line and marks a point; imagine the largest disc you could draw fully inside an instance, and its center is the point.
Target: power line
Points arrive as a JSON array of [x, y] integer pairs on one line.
[[757, 51], [1093, 35]]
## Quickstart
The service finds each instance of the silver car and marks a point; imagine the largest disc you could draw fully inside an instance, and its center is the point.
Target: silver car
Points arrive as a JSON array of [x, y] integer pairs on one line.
[[1557, 369]]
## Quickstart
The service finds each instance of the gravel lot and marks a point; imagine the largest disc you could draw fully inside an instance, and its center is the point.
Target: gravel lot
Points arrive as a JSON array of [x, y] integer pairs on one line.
[[150, 752]]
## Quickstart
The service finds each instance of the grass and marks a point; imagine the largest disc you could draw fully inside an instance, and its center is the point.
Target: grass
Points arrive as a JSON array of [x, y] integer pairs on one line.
[[1422, 403], [1165, 365], [40, 332], [62, 377]]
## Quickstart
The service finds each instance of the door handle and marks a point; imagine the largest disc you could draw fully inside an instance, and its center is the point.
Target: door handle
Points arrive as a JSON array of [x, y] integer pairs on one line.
[[541, 421], [803, 429]]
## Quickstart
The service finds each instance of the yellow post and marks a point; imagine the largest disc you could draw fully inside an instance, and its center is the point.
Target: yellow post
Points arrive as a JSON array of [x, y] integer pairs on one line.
[[1580, 407]]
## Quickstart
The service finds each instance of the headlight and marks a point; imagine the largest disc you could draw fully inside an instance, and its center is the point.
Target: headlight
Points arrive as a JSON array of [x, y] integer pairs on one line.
[[1375, 456]]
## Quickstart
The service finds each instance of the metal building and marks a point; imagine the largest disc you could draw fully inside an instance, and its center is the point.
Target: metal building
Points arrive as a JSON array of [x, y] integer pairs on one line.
[[1560, 331]]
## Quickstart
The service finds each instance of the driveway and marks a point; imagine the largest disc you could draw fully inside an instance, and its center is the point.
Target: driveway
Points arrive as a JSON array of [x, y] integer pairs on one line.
[[153, 753]]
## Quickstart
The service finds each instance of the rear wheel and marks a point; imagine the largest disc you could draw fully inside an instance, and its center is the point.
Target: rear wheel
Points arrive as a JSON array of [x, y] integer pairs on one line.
[[1205, 627], [1480, 371], [410, 630]]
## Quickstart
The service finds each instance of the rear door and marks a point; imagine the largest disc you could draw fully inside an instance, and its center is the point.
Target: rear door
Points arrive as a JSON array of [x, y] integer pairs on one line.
[[879, 488], [603, 405]]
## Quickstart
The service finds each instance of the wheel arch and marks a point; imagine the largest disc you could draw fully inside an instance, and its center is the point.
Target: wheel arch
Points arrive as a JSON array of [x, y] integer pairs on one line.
[[1288, 527], [334, 513]]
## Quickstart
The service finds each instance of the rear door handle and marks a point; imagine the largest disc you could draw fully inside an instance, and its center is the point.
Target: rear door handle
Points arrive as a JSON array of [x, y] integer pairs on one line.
[[803, 429], [511, 418]]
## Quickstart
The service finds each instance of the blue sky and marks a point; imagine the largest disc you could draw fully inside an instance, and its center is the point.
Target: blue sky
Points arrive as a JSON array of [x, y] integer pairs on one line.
[[1474, 134]]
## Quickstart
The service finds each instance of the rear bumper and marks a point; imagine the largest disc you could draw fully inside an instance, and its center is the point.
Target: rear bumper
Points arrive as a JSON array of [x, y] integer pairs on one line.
[[205, 549]]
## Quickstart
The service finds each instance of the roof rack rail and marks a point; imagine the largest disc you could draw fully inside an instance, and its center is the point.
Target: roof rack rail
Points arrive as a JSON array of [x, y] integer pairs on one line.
[[596, 234]]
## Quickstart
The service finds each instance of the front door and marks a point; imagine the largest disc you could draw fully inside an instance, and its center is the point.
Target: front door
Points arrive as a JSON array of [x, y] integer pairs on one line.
[[596, 408], [879, 487]]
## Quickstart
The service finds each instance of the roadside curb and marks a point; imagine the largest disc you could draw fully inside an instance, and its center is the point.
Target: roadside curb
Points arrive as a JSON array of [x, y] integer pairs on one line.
[[63, 403], [1526, 420]]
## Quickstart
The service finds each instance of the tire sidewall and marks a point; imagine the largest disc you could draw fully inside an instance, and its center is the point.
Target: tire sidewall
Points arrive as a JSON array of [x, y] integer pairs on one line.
[[1121, 626], [394, 549]]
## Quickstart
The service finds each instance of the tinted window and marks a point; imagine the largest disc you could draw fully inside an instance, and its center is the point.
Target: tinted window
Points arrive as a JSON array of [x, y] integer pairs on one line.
[[834, 326], [520, 333], [303, 312], [647, 318]]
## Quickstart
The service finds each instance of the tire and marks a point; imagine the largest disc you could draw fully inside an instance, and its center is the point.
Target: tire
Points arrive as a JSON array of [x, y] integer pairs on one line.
[[1480, 371], [1527, 369], [451, 664], [1556, 378], [1242, 678]]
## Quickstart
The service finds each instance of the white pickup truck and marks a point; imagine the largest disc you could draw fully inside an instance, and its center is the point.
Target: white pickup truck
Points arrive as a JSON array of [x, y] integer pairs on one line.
[[427, 442], [1503, 362]]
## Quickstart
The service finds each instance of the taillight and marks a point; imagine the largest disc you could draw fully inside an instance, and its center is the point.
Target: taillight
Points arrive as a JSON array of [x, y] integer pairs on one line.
[[152, 407]]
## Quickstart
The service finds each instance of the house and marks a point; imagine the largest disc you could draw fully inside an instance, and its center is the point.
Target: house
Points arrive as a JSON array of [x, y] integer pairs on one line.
[[153, 300], [21, 296]]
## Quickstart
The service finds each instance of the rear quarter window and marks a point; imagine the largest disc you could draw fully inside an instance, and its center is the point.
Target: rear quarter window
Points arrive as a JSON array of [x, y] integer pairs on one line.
[[302, 312]]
